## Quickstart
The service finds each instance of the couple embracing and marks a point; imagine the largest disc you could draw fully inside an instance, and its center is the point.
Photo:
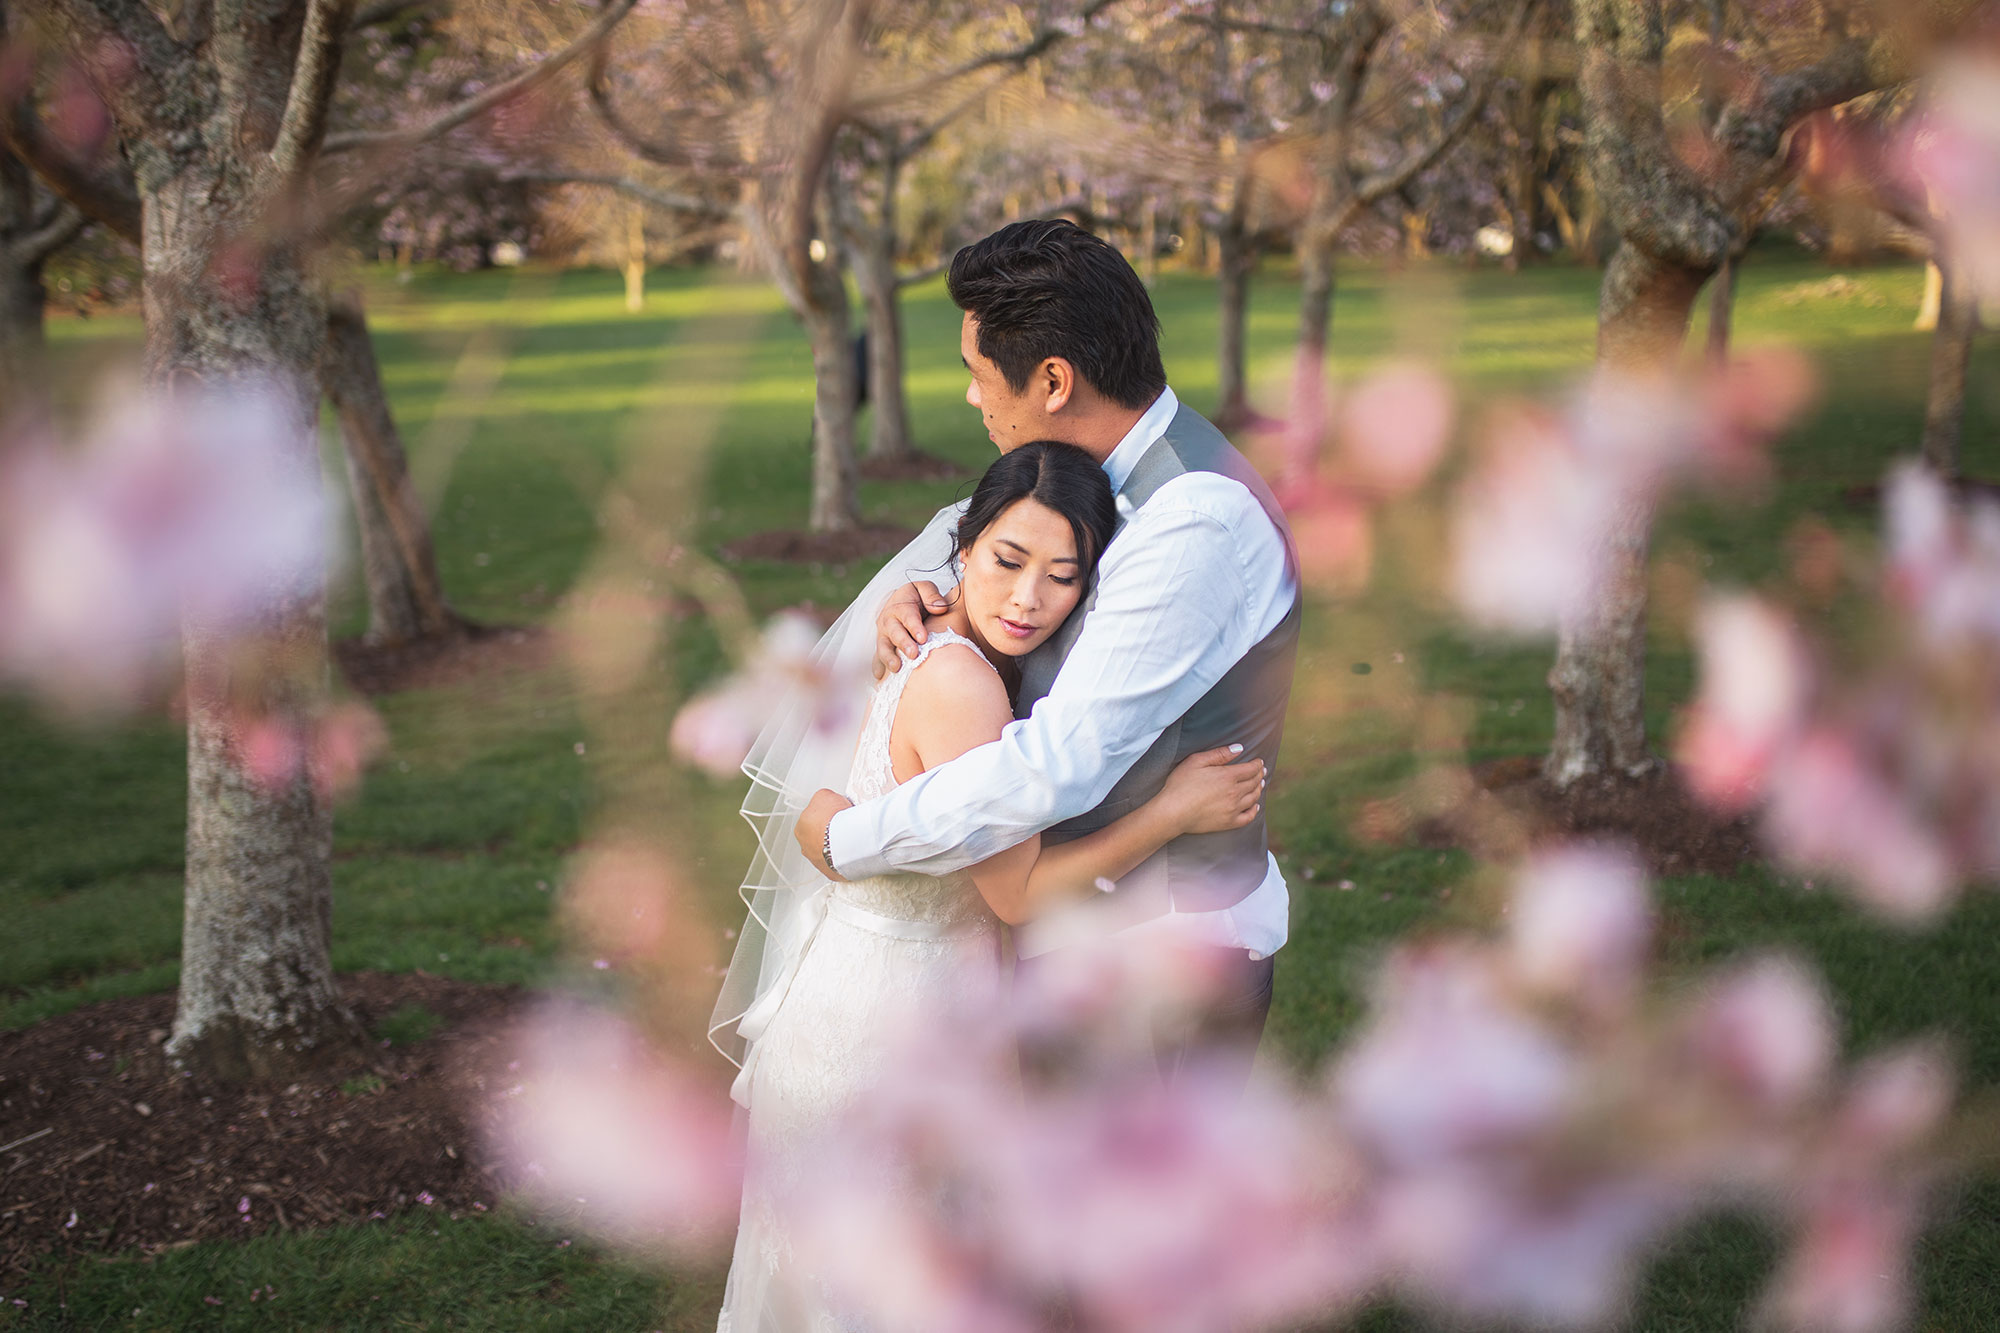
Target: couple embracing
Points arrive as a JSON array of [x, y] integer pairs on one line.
[[1084, 686]]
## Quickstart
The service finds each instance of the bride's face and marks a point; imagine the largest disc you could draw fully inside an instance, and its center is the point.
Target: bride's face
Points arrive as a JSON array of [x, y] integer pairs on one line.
[[1022, 577]]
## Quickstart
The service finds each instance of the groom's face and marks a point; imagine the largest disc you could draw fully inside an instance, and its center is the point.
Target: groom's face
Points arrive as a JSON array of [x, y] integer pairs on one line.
[[1012, 418]]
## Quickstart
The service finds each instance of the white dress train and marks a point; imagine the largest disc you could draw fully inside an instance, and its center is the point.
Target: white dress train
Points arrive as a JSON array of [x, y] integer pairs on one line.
[[888, 950]]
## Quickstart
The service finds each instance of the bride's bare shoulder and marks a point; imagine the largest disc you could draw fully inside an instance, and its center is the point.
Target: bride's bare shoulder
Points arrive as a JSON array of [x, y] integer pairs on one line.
[[954, 701]]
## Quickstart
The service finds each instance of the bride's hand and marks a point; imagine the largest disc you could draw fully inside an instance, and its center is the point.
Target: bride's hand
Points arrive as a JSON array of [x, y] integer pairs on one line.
[[1212, 791], [900, 624]]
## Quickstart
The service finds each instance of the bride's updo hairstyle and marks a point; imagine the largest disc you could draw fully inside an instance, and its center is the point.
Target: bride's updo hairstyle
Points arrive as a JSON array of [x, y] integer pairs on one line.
[[1059, 477]]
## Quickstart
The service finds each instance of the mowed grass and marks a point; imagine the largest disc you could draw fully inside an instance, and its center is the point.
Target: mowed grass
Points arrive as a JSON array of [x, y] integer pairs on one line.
[[450, 856]]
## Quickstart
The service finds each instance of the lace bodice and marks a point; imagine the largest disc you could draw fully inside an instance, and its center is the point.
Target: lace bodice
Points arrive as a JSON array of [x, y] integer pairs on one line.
[[950, 898]]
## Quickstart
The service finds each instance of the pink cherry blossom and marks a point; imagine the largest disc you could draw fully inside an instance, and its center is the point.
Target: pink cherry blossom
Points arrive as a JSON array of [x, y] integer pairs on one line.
[[715, 730], [1579, 925], [1753, 680], [601, 1117], [201, 503], [1830, 812], [1765, 1031], [1394, 426]]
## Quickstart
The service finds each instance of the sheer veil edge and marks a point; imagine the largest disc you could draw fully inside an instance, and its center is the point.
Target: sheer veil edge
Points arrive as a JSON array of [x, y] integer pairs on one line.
[[807, 744]]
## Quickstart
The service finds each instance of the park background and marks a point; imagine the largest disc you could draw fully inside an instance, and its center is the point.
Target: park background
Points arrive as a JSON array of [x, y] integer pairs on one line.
[[537, 398]]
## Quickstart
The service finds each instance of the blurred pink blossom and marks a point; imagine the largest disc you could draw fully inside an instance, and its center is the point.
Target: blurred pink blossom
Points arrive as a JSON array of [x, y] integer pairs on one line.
[[715, 730], [200, 503], [1445, 1064], [1754, 675], [1954, 148], [1579, 925], [1829, 811], [1766, 1030], [332, 749], [1394, 426], [604, 1123]]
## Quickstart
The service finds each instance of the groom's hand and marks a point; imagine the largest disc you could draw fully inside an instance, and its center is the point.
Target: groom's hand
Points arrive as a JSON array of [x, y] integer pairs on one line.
[[811, 828], [901, 624]]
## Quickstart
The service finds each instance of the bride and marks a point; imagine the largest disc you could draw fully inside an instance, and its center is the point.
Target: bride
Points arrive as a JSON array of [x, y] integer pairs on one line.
[[852, 962]]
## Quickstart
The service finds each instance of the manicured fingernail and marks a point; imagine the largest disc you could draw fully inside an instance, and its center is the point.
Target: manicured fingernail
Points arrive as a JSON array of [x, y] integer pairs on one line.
[[1236, 749]]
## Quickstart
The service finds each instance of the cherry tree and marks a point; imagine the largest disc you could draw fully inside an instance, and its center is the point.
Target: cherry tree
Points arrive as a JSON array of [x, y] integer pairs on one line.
[[796, 90], [221, 120], [1678, 223]]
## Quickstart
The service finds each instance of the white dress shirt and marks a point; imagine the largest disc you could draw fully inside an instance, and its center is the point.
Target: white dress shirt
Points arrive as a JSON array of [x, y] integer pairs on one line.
[[1193, 580]]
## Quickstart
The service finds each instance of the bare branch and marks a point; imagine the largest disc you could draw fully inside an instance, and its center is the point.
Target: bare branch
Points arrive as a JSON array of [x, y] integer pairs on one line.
[[52, 235], [473, 107], [1013, 57], [1420, 160], [658, 151], [303, 126], [1756, 124], [105, 195], [922, 275], [625, 185]]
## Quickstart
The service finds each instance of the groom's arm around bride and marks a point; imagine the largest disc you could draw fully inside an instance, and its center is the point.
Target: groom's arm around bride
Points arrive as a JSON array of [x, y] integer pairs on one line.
[[1186, 642]]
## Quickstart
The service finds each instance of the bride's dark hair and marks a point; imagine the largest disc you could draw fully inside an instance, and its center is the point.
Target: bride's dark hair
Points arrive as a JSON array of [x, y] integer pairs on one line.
[[1059, 476]]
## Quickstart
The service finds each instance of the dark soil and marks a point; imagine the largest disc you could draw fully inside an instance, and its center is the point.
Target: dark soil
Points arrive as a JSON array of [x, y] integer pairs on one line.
[[427, 663], [911, 467], [1674, 832], [103, 1147], [820, 548]]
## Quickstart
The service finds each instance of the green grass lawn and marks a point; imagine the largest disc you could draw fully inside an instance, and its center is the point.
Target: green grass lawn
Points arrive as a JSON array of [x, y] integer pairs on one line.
[[448, 856]]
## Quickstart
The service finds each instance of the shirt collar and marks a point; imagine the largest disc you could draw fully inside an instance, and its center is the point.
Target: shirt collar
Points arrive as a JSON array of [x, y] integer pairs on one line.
[[1145, 432]]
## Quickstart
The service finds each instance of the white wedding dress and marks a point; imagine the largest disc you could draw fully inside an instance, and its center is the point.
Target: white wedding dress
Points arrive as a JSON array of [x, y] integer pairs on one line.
[[888, 951]]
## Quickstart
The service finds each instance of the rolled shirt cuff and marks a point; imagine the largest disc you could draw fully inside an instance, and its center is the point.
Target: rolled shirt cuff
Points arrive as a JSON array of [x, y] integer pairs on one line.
[[843, 835]]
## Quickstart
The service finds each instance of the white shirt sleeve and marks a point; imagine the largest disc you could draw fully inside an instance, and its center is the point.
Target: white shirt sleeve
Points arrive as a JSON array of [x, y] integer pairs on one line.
[[1175, 610]]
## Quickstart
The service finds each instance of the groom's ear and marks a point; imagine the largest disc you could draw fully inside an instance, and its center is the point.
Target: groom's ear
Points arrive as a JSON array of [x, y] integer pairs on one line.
[[1058, 380]]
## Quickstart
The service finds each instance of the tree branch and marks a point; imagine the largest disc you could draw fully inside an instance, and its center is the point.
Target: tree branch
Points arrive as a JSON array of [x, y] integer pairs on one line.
[[1387, 182], [1016, 56], [1755, 125], [303, 127], [625, 185], [52, 235], [109, 197], [587, 41], [924, 274]]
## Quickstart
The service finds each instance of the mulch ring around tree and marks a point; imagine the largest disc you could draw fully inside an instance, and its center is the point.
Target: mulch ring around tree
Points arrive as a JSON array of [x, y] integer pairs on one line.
[[1674, 833], [911, 467], [103, 1148], [477, 651], [837, 549]]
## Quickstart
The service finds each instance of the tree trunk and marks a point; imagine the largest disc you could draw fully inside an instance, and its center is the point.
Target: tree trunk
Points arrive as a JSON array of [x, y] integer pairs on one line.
[[1239, 258], [1149, 243], [836, 505], [1316, 289], [22, 297], [406, 598], [1722, 310], [1951, 356], [1933, 299], [1599, 677], [635, 260], [874, 262], [257, 997]]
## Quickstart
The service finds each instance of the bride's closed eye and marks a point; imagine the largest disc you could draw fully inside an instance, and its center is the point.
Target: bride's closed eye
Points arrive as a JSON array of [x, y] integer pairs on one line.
[[1005, 563]]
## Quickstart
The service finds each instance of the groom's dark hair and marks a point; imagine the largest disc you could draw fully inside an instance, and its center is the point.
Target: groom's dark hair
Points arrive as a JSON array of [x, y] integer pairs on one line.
[[1049, 288]]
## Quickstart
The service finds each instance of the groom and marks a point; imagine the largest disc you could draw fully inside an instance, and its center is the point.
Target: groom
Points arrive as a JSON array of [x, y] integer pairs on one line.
[[1186, 641]]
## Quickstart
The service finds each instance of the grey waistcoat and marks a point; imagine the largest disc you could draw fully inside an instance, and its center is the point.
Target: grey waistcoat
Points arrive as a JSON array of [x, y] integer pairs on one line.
[[1208, 871]]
